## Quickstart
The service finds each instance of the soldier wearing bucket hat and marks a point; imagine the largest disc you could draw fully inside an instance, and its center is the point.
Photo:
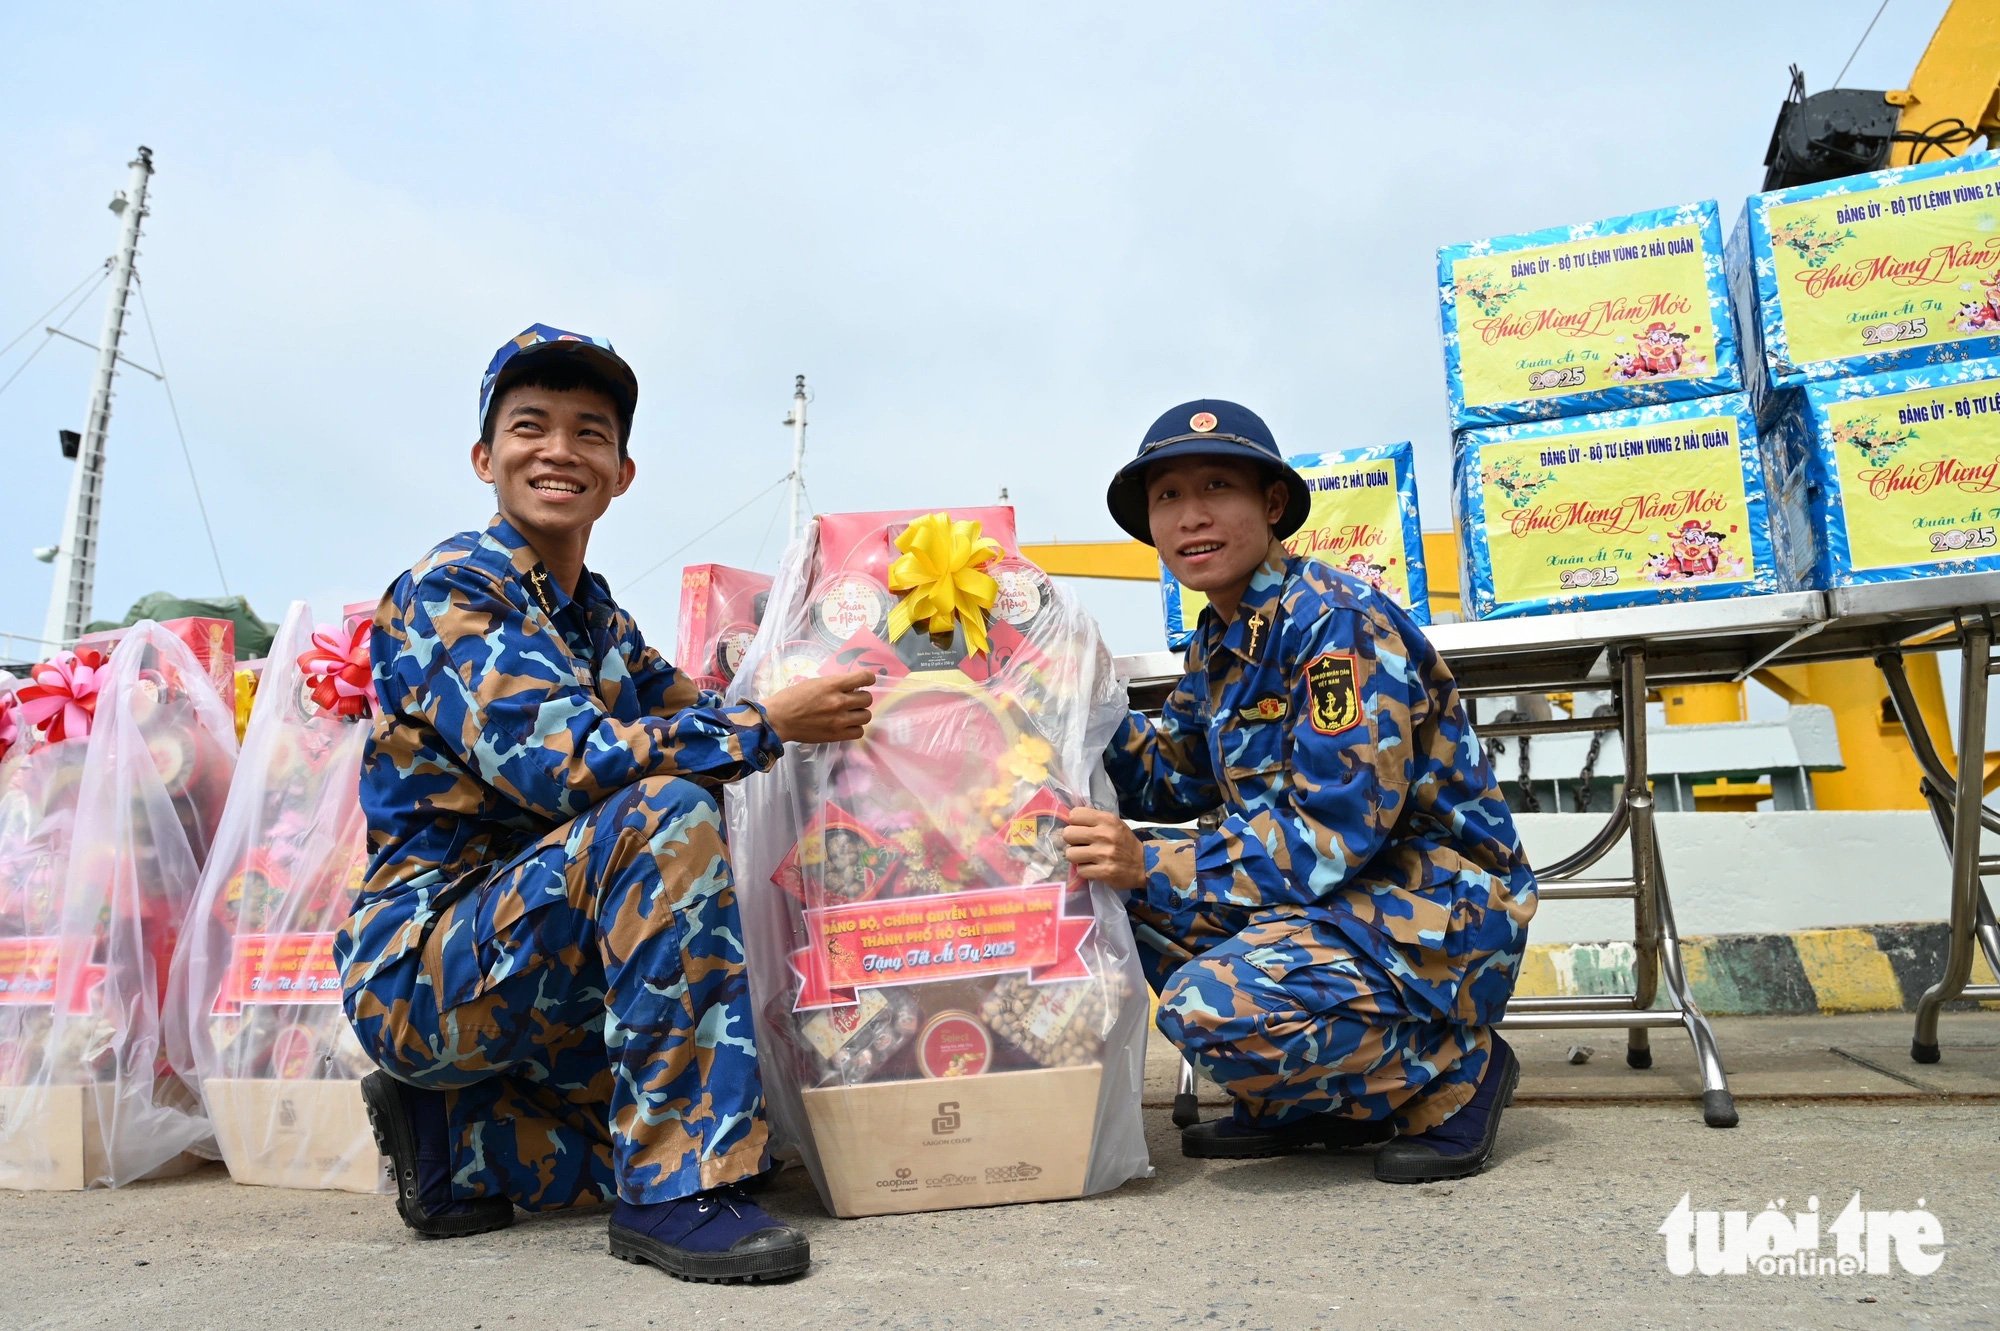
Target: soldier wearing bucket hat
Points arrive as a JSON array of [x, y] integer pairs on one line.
[[545, 959], [1357, 916]]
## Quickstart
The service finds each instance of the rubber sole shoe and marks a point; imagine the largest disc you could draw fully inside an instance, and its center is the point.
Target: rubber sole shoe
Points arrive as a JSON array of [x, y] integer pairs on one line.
[[1226, 1139], [1411, 1160], [396, 1137], [771, 1254]]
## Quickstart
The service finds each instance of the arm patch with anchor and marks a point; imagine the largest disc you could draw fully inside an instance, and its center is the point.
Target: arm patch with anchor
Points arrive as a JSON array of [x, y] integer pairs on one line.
[[1333, 687]]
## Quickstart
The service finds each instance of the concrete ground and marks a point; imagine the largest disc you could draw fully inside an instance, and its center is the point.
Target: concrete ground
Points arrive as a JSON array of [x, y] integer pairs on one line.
[[1563, 1231]]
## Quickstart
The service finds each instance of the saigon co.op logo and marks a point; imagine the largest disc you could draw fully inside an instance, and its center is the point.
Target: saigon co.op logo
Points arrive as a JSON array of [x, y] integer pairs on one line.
[[1776, 1243]]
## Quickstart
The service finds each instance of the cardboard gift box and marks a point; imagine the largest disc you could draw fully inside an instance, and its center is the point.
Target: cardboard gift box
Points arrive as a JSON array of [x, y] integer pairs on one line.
[[1655, 504], [1623, 312], [945, 1017], [1898, 474], [1890, 270], [721, 608], [213, 642], [1363, 522]]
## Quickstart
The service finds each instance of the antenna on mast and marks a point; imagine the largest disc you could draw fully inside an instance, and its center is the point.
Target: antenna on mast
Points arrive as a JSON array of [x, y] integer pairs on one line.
[[797, 420], [76, 557]]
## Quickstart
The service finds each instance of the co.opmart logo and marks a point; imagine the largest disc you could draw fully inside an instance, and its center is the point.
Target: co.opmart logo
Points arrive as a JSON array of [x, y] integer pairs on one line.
[[1776, 1243]]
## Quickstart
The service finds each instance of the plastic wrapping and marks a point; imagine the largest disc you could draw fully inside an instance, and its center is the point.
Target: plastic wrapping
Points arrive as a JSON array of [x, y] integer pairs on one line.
[[1363, 522], [1603, 316], [721, 608], [254, 1003], [1892, 270], [1657, 504], [1897, 472], [945, 1016], [154, 779]]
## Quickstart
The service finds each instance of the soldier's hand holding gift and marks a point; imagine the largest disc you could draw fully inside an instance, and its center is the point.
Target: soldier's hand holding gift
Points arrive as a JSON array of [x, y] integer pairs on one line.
[[822, 711], [1102, 849]]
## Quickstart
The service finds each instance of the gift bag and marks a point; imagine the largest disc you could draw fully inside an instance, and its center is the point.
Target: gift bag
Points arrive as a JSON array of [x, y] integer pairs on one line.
[[102, 1106], [254, 1017], [946, 1017]]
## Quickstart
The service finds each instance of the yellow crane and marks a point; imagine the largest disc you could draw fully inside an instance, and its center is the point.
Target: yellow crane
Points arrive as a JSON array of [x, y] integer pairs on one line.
[[1952, 102]]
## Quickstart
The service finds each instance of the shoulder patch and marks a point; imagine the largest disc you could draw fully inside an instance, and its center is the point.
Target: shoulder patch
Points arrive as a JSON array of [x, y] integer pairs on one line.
[[1333, 681]]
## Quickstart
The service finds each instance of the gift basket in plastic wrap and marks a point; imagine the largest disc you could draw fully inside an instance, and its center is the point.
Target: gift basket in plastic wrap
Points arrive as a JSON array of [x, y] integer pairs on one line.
[[94, 1100], [947, 1017], [255, 998]]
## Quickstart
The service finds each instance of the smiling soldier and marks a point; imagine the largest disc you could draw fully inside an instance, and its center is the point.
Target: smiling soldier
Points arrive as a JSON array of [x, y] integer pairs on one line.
[[545, 959], [1358, 915]]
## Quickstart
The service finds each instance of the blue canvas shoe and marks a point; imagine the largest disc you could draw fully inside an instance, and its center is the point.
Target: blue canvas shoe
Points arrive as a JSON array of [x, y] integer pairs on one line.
[[1232, 1139], [719, 1236], [1462, 1144], [410, 1128]]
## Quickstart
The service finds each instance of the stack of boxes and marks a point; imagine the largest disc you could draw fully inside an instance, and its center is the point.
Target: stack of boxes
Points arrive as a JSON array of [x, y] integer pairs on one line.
[[1604, 450], [1612, 445], [1871, 316]]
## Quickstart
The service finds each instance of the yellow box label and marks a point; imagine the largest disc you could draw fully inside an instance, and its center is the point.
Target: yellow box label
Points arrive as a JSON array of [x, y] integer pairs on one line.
[[1356, 525], [1657, 506], [1919, 474], [1907, 265], [1582, 315]]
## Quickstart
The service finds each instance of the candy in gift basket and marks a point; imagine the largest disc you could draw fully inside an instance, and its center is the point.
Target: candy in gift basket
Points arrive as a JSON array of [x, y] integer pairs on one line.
[[155, 776], [907, 900], [255, 987]]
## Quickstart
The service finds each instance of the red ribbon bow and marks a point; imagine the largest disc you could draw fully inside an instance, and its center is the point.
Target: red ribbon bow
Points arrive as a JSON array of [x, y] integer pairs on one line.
[[61, 695], [336, 671]]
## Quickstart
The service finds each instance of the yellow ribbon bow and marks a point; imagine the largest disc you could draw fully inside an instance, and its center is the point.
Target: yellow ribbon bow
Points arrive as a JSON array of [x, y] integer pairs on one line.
[[940, 568]]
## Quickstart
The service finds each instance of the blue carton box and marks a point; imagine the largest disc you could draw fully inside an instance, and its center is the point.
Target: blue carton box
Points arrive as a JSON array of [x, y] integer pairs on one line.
[[1626, 312], [1642, 506], [1363, 523], [1900, 472], [1858, 276]]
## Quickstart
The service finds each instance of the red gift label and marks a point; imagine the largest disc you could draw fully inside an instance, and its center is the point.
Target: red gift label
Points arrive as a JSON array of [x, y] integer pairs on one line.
[[279, 968], [913, 940], [28, 969]]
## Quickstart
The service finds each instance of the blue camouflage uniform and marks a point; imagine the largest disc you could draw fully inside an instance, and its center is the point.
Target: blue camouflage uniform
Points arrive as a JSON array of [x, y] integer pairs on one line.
[[548, 932], [1359, 915]]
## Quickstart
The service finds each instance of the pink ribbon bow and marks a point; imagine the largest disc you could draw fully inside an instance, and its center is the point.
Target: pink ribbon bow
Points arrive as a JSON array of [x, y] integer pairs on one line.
[[336, 671], [10, 724], [61, 695]]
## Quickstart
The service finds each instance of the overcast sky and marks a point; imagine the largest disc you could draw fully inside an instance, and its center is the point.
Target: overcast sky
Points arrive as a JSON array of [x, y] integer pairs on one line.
[[997, 239]]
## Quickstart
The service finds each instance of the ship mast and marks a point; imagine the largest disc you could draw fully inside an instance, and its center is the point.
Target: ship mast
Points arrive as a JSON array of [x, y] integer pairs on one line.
[[76, 558], [797, 422]]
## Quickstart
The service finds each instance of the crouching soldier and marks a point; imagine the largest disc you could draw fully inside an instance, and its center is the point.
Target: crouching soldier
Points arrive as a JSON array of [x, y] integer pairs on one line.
[[1357, 917], [545, 959]]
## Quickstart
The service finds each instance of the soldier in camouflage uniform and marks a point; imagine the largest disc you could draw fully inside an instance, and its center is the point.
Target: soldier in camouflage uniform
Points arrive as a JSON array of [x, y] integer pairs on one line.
[[1358, 916], [545, 959]]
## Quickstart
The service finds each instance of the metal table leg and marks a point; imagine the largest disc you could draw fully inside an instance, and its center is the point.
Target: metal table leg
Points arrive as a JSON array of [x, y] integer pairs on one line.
[[1958, 802], [1656, 942]]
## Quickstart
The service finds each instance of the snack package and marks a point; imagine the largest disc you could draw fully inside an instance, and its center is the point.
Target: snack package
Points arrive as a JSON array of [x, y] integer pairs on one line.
[[1625, 312], [1897, 474], [1363, 522], [1634, 507], [155, 776], [1892, 270], [909, 913], [254, 1003], [721, 608]]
